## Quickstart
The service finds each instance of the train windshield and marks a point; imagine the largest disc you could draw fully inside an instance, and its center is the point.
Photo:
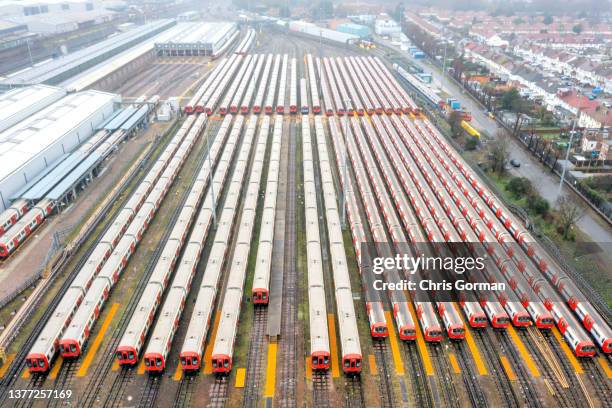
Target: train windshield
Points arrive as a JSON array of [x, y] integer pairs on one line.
[[131, 355], [29, 362], [158, 362], [226, 363], [184, 361]]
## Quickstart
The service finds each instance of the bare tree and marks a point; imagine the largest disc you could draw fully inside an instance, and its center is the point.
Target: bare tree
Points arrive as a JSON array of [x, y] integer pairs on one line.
[[498, 152], [569, 213]]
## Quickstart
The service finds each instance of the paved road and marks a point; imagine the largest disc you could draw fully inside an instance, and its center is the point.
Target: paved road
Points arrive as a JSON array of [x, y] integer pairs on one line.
[[545, 182]]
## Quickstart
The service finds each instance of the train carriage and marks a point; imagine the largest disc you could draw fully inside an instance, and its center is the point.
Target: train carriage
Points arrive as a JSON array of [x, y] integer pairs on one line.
[[47, 343], [77, 333], [155, 357], [133, 339]]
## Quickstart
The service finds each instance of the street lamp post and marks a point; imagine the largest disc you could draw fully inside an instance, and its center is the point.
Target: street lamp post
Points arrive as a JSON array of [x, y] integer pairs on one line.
[[569, 146]]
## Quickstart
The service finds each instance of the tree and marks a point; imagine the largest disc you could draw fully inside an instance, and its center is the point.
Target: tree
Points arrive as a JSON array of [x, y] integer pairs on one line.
[[519, 186], [454, 120], [498, 152], [538, 204], [547, 19], [569, 212], [511, 100], [577, 28]]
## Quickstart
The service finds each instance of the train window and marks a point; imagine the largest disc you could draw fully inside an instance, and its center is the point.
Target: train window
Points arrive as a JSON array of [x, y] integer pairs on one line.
[[158, 362], [73, 348], [119, 355], [326, 360], [347, 363], [41, 362], [131, 355], [214, 363], [147, 362], [315, 361], [29, 363], [225, 363], [183, 361], [358, 364]]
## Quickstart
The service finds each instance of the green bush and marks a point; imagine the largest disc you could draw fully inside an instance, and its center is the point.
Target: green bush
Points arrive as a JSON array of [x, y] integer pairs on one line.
[[538, 205], [519, 187]]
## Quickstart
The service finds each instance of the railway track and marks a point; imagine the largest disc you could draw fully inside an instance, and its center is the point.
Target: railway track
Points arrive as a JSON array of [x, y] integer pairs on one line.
[[553, 376], [150, 391], [578, 397], [504, 387], [444, 375], [255, 358], [184, 394], [217, 393], [18, 364], [472, 386], [599, 381], [64, 380], [420, 386], [529, 393], [381, 353], [320, 389], [353, 389], [289, 326]]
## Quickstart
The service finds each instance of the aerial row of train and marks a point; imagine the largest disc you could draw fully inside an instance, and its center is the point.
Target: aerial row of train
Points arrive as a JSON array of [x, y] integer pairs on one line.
[[409, 180], [468, 220], [72, 320]]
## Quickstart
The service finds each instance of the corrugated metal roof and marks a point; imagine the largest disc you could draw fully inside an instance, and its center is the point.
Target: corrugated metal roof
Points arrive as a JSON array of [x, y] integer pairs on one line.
[[53, 71], [119, 119], [137, 117], [22, 142], [39, 177], [21, 103], [74, 176], [207, 33], [92, 75]]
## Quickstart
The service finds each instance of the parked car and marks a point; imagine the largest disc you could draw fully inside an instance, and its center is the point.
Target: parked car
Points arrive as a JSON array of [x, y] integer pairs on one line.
[[515, 163]]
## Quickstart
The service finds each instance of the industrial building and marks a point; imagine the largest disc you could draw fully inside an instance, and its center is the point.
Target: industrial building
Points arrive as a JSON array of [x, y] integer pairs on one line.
[[311, 29], [385, 26], [201, 38], [36, 143], [355, 29], [21, 103], [122, 65], [61, 69]]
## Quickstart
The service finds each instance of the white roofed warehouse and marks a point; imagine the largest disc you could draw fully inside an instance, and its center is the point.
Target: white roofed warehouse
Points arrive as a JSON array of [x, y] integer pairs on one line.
[[21, 103], [37, 142], [199, 39]]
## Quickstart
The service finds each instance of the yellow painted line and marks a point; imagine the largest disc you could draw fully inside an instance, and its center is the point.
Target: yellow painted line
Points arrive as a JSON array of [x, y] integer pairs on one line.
[[115, 366], [480, 366], [271, 371], [240, 376], [97, 341], [178, 373], [421, 342], [308, 368], [602, 362], [570, 355], [333, 346], [26, 374], [454, 363], [523, 351], [141, 367], [372, 361], [209, 348], [397, 358], [6, 364], [507, 368], [56, 368]]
